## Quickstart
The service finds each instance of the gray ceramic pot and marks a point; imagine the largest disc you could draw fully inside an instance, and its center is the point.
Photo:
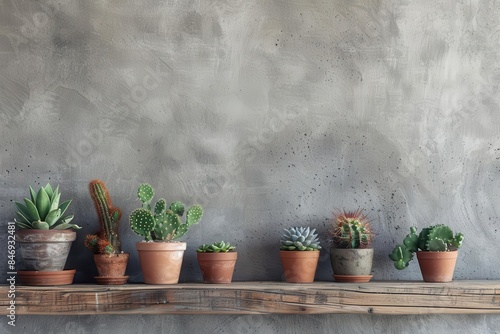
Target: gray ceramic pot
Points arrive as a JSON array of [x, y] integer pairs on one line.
[[354, 262], [43, 250]]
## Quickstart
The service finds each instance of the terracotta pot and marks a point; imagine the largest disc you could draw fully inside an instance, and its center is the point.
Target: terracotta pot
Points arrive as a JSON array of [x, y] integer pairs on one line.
[[299, 266], [43, 250], [161, 261], [217, 267], [111, 265], [437, 266]]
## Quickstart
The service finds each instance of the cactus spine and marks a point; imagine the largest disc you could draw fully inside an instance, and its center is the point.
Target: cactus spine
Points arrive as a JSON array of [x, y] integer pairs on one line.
[[107, 241]]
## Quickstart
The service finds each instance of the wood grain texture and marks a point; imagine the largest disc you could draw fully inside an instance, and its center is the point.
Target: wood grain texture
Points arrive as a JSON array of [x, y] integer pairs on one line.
[[458, 297]]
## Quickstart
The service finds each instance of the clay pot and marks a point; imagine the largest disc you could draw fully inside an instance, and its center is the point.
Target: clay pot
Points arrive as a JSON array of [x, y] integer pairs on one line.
[[111, 265], [299, 266], [43, 250], [217, 267], [352, 264], [161, 261], [437, 266]]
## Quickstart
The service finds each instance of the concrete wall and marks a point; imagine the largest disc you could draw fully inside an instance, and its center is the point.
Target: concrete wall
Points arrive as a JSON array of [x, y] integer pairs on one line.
[[268, 113]]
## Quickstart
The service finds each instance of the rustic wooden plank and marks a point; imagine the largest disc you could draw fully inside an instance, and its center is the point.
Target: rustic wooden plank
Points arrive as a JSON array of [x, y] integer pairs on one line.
[[458, 297]]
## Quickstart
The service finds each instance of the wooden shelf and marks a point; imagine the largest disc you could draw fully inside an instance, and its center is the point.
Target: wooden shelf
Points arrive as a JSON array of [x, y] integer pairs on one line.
[[396, 297]]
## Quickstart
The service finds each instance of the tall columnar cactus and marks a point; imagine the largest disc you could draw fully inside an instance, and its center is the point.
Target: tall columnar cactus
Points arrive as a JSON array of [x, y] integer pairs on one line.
[[108, 239], [162, 223], [299, 239], [351, 229], [437, 238]]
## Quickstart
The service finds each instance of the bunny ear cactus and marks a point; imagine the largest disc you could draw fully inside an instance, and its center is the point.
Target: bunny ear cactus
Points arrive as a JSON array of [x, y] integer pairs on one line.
[[438, 238], [43, 211], [162, 224]]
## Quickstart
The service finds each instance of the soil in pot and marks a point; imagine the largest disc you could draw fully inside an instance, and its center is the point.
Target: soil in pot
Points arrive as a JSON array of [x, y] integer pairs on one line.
[[437, 266], [161, 262], [217, 267], [299, 266], [43, 250]]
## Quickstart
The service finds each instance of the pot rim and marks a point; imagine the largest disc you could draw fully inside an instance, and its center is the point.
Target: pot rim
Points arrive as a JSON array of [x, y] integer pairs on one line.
[[161, 245], [34, 235], [221, 255]]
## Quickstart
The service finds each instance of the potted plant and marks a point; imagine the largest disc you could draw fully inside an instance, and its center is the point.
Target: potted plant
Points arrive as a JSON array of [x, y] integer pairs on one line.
[[217, 262], [44, 238], [351, 255], [299, 254], [160, 254], [437, 250], [110, 260]]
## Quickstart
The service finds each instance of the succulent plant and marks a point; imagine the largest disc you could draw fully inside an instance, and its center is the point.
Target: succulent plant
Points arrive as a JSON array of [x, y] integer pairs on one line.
[[351, 229], [299, 239], [42, 211], [216, 247], [107, 241], [162, 223], [437, 238]]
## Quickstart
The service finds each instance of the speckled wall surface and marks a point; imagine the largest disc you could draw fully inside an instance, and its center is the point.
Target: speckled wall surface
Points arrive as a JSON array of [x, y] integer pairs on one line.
[[268, 113]]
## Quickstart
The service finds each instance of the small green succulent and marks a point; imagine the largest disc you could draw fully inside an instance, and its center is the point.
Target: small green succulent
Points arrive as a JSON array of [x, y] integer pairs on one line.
[[216, 247], [42, 211], [299, 239]]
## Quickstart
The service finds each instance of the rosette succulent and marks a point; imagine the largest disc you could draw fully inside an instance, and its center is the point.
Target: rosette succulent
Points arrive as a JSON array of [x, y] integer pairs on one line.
[[216, 247], [43, 211], [299, 239]]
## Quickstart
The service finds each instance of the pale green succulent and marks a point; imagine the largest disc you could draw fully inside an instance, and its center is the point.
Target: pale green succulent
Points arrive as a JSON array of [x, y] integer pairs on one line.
[[300, 239], [43, 211]]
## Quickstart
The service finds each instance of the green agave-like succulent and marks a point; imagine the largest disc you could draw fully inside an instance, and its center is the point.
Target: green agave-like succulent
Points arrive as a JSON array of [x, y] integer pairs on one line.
[[300, 238], [216, 247], [42, 211]]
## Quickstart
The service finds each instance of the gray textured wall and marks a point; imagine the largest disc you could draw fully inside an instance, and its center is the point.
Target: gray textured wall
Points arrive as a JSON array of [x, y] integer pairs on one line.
[[269, 114]]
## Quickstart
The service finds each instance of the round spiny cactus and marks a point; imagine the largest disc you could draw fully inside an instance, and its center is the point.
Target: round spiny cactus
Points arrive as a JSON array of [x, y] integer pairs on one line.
[[351, 229], [300, 239]]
